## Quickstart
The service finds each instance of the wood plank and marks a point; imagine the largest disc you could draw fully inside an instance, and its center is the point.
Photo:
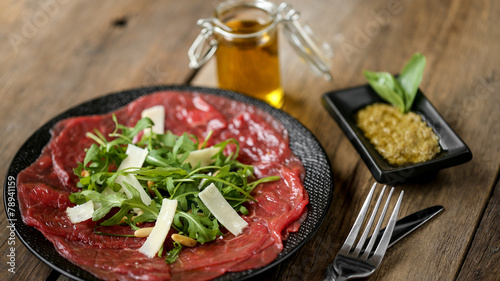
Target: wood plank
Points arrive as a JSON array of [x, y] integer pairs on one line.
[[482, 259], [462, 87], [16, 258], [61, 53]]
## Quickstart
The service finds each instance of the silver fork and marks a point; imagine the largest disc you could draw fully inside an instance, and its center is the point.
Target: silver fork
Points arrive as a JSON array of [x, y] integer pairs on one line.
[[358, 262]]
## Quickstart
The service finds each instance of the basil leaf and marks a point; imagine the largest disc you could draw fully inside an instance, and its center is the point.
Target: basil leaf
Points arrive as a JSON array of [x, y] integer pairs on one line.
[[410, 78], [387, 87]]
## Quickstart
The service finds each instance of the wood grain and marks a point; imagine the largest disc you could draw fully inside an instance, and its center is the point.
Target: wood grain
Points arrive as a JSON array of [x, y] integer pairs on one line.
[[59, 53], [482, 260]]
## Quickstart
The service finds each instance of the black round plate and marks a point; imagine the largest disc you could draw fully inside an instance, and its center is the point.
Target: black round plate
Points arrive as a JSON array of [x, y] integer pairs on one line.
[[318, 180]]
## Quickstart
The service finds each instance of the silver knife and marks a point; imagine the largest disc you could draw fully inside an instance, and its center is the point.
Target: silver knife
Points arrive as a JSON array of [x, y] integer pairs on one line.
[[408, 224]]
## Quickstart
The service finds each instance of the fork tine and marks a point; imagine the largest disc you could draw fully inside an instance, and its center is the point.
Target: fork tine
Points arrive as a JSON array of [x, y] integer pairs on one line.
[[351, 238], [384, 242], [348, 265], [368, 226], [379, 224]]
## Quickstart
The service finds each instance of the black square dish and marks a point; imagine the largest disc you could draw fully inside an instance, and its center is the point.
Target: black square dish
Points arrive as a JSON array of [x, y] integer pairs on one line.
[[343, 105]]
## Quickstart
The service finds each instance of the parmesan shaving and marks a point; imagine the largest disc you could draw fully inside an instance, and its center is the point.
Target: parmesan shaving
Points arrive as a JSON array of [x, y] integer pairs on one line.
[[222, 211], [132, 180], [157, 115], [202, 156], [160, 230], [81, 212], [135, 158]]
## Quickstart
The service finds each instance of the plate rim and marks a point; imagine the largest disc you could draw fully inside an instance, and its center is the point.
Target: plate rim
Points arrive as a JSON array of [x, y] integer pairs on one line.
[[134, 94]]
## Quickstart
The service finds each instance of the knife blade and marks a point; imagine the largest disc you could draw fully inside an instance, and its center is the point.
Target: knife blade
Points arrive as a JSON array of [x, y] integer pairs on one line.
[[408, 224]]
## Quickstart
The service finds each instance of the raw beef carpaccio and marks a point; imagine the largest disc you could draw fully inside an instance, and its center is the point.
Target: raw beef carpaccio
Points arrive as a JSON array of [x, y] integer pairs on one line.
[[44, 188]]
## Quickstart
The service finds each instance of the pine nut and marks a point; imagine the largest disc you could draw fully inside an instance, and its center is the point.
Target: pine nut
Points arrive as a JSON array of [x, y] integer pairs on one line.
[[190, 211], [150, 190], [184, 240], [143, 232], [124, 219]]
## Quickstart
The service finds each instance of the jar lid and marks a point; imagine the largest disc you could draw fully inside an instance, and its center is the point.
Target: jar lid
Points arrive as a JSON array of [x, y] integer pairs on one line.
[[316, 55]]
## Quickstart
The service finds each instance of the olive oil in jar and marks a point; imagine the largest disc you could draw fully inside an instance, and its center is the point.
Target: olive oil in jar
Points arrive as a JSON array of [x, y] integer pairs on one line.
[[250, 64], [243, 35]]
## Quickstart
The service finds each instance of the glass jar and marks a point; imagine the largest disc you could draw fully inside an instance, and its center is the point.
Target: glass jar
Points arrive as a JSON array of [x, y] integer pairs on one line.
[[244, 36]]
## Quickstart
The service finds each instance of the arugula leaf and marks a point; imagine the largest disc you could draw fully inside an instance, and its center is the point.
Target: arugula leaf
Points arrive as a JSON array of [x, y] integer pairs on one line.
[[150, 213], [200, 206], [183, 144], [113, 234], [164, 175], [262, 180], [243, 210], [228, 184], [221, 159], [159, 173], [410, 78], [78, 198], [92, 153], [204, 143], [201, 228], [399, 92], [173, 254], [107, 202], [161, 157], [127, 134]]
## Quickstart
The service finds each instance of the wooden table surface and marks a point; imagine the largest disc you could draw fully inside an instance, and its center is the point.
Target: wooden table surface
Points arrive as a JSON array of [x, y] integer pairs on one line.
[[56, 54]]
